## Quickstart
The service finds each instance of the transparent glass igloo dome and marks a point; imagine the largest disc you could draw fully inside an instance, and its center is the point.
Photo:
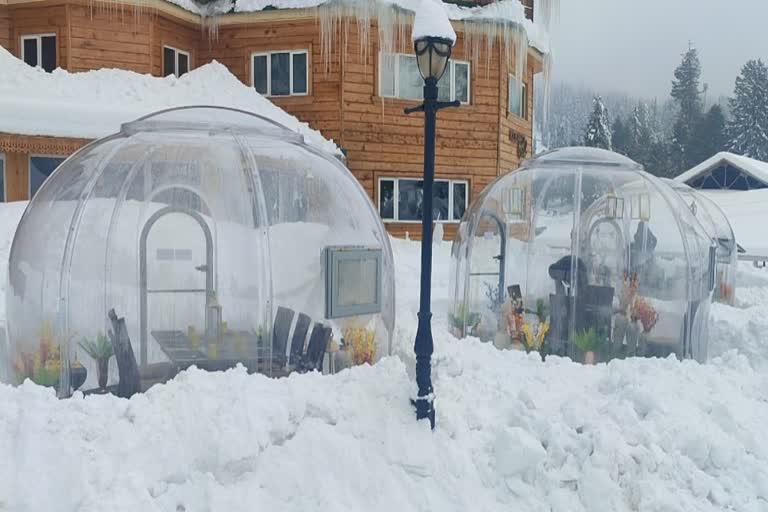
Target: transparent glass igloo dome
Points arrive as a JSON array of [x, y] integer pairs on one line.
[[196, 236], [716, 224], [581, 253]]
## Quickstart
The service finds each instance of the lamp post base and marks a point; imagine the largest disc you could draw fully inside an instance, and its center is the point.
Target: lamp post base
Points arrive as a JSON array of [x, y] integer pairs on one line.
[[424, 402]]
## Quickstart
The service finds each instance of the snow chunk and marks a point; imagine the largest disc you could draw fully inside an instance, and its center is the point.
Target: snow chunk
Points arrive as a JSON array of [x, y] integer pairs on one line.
[[517, 452], [432, 21], [94, 104]]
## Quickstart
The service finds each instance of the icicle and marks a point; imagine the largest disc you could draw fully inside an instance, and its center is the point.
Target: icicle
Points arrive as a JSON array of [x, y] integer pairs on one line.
[[334, 18], [547, 16]]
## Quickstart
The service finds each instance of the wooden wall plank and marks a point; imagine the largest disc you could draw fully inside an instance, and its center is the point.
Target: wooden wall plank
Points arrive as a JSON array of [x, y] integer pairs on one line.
[[16, 176], [41, 20], [6, 34]]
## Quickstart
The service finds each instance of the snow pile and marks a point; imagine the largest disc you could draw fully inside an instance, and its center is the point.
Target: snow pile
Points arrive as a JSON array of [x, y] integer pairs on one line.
[[95, 103], [431, 20]]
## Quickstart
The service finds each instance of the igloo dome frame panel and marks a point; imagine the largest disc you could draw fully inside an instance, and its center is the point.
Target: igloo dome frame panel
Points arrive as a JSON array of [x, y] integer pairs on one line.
[[207, 231], [716, 224], [581, 253]]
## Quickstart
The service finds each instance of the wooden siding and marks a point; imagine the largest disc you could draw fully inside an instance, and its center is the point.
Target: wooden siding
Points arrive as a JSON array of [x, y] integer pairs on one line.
[[511, 126], [168, 32], [321, 107], [109, 38], [6, 36], [46, 19], [16, 176]]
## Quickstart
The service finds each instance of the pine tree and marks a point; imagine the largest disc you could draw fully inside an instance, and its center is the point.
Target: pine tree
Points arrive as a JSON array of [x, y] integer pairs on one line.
[[598, 132], [748, 129], [641, 134], [686, 93], [620, 137], [710, 134]]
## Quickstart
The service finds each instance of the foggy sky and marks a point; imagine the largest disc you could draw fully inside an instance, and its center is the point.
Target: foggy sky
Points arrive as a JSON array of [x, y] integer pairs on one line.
[[635, 45]]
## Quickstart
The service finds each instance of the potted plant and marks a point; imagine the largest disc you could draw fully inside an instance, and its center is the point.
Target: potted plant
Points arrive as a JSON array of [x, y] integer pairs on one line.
[[533, 336], [464, 320], [77, 374], [101, 351], [588, 342]]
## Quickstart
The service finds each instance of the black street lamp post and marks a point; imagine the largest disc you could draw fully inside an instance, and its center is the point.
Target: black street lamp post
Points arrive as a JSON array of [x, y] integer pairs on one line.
[[432, 54]]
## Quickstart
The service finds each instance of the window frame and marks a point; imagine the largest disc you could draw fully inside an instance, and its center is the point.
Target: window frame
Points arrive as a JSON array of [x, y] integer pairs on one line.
[[39, 38], [451, 70], [523, 98], [29, 170], [176, 53], [291, 53], [396, 194], [4, 162]]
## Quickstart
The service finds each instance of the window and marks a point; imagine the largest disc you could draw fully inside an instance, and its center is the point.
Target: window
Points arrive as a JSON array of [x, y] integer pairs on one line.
[[399, 78], [39, 50], [175, 62], [400, 199], [40, 167], [2, 177], [518, 97], [281, 73], [353, 281]]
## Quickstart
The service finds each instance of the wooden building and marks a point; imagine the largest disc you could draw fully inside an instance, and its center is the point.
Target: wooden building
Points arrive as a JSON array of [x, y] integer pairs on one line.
[[331, 72]]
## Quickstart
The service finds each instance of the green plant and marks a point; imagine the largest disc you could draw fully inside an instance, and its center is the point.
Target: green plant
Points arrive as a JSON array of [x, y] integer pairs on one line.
[[541, 310], [463, 319], [587, 340], [99, 349]]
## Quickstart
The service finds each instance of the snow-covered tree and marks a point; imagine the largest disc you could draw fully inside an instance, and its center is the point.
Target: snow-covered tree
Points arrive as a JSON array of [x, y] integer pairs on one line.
[[748, 129], [687, 96], [620, 137], [710, 134], [598, 132]]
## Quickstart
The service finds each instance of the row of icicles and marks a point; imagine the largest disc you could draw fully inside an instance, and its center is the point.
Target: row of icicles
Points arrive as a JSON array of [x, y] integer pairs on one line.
[[335, 17]]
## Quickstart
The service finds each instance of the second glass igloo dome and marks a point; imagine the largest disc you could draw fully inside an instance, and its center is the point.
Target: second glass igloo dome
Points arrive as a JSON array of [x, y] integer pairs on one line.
[[196, 236], [581, 253], [716, 224]]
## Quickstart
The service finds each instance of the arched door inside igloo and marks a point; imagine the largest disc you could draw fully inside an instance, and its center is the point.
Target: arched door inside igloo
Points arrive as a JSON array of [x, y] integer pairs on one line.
[[173, 237], [599, 259]]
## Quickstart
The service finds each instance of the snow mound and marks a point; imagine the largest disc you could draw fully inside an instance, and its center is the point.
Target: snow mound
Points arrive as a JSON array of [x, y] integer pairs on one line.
[[94, 104], [432, 21]]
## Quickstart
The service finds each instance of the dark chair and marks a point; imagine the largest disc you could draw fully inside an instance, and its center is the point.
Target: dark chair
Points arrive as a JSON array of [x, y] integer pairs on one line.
[[280, 331], [560, 306], [130, 379], [299, 336], [598, 308], [318, 343]]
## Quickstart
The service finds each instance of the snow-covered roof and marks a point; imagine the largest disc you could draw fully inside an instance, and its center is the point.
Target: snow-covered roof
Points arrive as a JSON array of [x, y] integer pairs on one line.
[[756, 168], [432, 21], [501, 11], [94, 104]]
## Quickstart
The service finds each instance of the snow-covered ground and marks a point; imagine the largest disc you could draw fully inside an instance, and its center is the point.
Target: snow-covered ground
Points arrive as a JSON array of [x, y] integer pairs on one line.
[[513, 433]]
